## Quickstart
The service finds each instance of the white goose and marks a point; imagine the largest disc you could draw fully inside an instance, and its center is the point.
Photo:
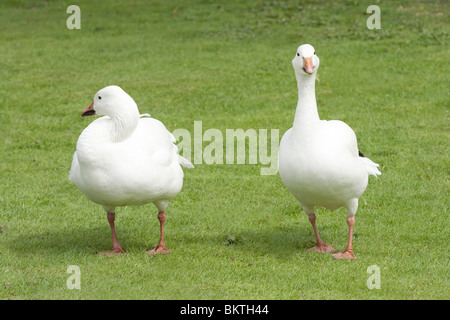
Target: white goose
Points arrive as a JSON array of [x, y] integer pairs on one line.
[[123, 159], [319, 161]]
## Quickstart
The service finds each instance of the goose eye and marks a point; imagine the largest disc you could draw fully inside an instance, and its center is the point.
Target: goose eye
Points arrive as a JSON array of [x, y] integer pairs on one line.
[[314, 53], [99, 98], [298, 54]]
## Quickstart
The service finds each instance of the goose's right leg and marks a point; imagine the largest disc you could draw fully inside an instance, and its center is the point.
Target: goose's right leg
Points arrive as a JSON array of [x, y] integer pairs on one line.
[[117, 248], [320, 245]]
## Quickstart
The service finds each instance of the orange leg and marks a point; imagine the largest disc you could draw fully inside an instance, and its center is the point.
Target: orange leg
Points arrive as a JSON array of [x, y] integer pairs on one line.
[[160, 248], [348, 252], [320, 245], [117, 248]]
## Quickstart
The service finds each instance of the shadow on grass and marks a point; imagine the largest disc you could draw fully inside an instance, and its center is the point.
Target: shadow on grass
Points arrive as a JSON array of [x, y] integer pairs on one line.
[[89, 240], [280, 242], [140, 233]]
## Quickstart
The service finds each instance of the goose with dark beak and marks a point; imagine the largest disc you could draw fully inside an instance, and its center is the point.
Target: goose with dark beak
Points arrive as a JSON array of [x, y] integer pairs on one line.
[[124, 159]]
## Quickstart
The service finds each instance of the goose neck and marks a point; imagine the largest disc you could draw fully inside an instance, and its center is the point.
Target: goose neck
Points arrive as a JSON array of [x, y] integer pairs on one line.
[[124, 126], [306, 113]]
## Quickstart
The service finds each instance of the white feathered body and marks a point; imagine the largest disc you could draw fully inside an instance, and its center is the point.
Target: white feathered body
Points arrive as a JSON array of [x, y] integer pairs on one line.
[[141, 169], [320, 165]]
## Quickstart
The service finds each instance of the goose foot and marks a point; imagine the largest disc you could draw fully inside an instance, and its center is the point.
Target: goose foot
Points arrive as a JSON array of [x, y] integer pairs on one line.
[[321, 247], [117, 248], [159, 249], [346, 254]]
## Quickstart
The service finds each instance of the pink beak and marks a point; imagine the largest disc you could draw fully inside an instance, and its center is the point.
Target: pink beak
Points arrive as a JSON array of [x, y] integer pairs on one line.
[[308, 65]]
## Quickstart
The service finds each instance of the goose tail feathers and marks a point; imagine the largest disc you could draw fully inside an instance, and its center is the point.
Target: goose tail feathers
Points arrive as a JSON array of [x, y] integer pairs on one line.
[[372, 167], [185, 162]]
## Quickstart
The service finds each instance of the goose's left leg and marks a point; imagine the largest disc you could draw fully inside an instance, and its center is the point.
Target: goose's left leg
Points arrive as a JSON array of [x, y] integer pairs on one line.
[[160, 248], [348, 252]]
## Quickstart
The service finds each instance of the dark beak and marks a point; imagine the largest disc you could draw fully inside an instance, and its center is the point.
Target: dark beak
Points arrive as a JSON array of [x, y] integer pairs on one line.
[[89, 111]]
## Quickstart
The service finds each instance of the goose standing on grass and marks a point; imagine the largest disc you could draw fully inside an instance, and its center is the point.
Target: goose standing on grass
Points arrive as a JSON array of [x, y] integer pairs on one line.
[[319, 161], [124, 159]]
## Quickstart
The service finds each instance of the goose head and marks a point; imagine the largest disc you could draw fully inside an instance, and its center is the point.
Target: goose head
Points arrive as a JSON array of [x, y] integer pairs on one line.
[[116, 104], [111, 101], [305, 62]]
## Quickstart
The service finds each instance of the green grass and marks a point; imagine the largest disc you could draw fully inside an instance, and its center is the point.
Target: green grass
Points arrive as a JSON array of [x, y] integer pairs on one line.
[[234, 234]]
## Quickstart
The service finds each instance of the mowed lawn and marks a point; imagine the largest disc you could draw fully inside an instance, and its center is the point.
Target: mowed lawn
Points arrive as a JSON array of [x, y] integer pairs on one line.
[[234, 233]]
